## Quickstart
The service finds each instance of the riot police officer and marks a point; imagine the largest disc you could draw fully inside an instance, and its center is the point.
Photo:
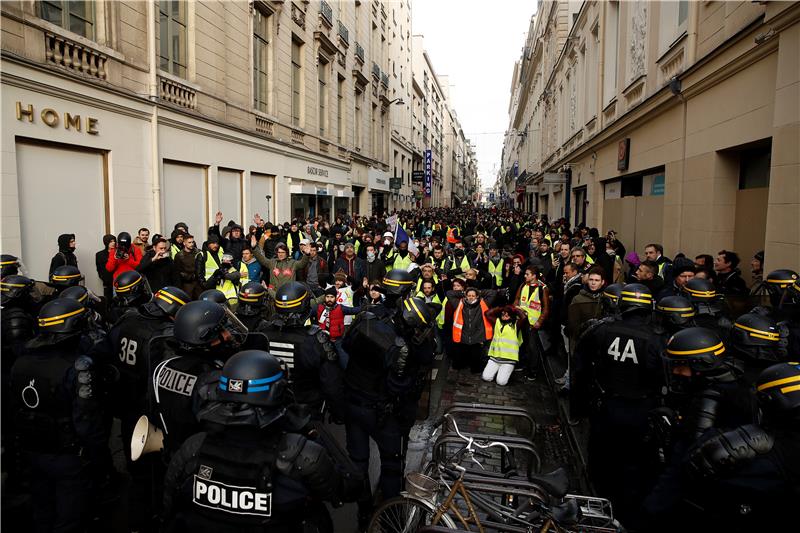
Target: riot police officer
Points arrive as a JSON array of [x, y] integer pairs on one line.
[[214, 295], [65, 276], [610, 299], [252, 306], [130, 291], [617, 378], [251, 470], [205, 334], [132, 356], [59, 420], [312, 360], [96, 330], [757, 342], [18, 325], [768, 294], [746, 477], [9, 265], [381, 383], [708, 306], [673, 313]]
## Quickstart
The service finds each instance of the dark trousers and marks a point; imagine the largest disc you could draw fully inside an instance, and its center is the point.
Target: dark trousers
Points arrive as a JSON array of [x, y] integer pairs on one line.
[[61, 490], [469, 355], [385, 429], [531, 352]]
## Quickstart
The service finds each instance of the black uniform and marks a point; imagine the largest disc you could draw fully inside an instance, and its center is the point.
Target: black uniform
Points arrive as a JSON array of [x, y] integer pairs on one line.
[[61, 427], [314, 372], [622, 356]]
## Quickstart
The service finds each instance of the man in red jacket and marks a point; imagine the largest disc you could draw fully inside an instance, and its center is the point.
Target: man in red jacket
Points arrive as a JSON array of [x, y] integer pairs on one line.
[[122, 256], [330, 315]]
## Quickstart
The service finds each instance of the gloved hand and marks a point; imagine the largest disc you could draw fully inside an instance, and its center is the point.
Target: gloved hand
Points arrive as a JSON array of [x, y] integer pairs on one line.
[[723, 451]]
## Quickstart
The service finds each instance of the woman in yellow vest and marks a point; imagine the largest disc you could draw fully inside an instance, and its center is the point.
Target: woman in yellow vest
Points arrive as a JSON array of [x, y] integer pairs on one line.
[[471, 331], [533, 297], [509, 323]]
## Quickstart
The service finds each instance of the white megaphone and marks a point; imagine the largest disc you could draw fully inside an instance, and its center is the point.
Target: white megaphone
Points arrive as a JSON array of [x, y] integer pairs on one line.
[[146, 438]]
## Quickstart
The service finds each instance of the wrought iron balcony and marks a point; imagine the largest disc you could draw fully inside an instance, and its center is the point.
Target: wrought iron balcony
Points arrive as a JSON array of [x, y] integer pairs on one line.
[[359, 52], [344, 34], [326, 12]]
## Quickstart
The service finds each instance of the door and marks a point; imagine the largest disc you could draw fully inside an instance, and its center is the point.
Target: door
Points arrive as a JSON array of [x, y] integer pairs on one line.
[[260, 198], [750, 226], [229, 195], [61, 190], [184, 198]]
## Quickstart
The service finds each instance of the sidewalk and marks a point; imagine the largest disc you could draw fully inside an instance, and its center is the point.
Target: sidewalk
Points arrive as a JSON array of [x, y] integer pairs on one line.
[[554, 440]]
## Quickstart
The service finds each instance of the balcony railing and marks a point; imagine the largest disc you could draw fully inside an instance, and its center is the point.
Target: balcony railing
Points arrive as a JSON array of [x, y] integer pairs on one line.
[[344, 34], [326, 12], [264, 126], [75, 57], [359, 52], [298, 137], [177, 93], [384, 79], [376, 71]]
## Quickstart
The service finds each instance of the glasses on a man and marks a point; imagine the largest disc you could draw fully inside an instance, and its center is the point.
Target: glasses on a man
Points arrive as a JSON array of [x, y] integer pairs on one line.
[[576, 255]]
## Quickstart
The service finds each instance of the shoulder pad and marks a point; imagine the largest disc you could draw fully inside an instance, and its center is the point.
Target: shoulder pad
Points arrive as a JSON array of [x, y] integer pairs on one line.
[[290, 447]]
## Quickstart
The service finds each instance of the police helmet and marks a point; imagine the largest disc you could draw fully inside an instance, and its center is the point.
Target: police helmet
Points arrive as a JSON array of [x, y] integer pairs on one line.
[[292, 298], [124, 241], [635, 296], [66, 276], [251, 299], [774, 286], [778, 391], [781, 278], [700, 290], [14, 288], [398, 282], [254, 377], [169, 299], [78, 293], [131, 288], [691, 355], [203, 325], [214, 295], [792, 295], [611, 295], [676, 309], [62, 315], [9, 265], [417, 319], [756, 337]]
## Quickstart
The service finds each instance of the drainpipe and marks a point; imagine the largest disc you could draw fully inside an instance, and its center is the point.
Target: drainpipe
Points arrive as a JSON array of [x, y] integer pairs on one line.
[[567, 193], [155, 167]]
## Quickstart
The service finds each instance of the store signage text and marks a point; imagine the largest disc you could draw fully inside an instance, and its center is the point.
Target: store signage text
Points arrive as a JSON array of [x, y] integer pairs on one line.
[[316, 171], [53, 118], [428, 175]]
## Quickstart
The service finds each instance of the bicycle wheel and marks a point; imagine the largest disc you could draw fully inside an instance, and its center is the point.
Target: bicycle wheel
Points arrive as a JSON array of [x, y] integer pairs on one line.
[[405, 515]]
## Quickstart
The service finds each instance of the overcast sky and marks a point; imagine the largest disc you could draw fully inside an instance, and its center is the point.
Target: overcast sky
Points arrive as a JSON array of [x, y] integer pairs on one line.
[[476, 44]]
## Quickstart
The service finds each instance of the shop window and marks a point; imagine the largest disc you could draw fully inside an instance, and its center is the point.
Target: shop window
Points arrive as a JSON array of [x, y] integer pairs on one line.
[[172, 36], [77, 17], [754, 166], [632, 186], [261, 60]]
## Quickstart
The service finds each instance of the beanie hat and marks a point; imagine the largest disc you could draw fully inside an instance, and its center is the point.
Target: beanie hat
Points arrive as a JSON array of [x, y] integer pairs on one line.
[[682, 265], [331, 291], [633, 259]]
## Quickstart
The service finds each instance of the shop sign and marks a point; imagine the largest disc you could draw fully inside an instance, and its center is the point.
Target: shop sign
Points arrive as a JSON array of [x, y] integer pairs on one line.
[[322, 191], [657, 185], [418, 176], [53, 118], [396, 183], [317, 172], [428, 175], [623, 154]]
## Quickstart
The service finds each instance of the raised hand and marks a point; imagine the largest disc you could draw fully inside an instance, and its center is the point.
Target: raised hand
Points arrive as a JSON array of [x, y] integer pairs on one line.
[[218, 217]]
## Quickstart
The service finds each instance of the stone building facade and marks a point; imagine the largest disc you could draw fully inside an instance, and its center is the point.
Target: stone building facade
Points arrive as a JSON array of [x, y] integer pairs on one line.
[[123, 114], [675, 122]]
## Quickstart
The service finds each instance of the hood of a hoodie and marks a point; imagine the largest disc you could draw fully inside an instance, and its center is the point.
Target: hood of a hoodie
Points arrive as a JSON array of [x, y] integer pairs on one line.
[[63, 242], [174, 234], [107, 239]]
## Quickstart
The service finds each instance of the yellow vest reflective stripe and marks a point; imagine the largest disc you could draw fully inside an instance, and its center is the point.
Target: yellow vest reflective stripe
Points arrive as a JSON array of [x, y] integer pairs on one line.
[[531, 304], [661, 268], [464, 266], [402, 263], [496, 271], [211, 265], [390, 259], [506, 341], [589, 260]]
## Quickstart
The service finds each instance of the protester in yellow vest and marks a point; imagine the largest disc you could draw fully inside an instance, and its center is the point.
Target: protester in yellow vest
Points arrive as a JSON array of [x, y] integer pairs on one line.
[[506, 343], [534, 299], [496, 264]]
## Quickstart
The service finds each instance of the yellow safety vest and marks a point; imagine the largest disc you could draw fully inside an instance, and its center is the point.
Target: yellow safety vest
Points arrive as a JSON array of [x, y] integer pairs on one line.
[[402, 263], [435, 299], [290, 243], [225, 286], [464, 266], [173, 249], [531, 304], [496, 271], [506, 341], [420, 280], [589, 260]]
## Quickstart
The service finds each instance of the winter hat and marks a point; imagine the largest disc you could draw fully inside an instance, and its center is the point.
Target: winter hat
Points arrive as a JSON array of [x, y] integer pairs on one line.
[[633, 259], [331, 291], [682, 265], [340, 276], [213, 239]]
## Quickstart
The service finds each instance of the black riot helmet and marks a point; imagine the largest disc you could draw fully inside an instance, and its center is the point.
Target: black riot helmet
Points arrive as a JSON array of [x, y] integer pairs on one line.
[[62, 315], [214, 295], [635, 296], [398, 282], [778, 392], [124, 241], [65, 276], [131, 289], [14, 289], [416, 319], [9, 265], [756, 337], [693, 356], [292, 298], [700, 290], [169, 299], [79, 293], [774, 285], [676, 310], [254, 377], [610, 297], [251, 299], [205, 325]]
